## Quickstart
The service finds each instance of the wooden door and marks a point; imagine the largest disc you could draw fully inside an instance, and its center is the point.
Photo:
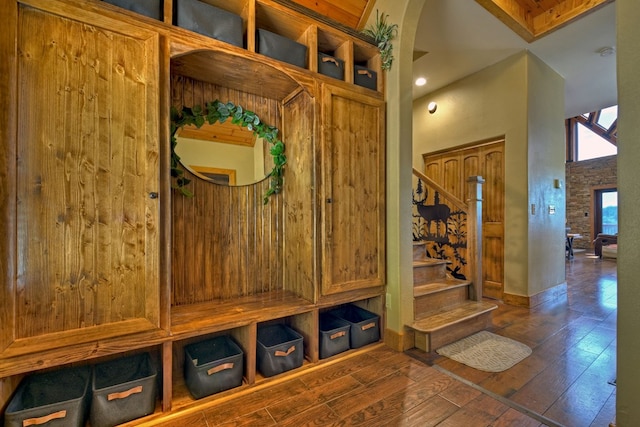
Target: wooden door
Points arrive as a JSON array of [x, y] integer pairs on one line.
[[353, 183], [451, 169], [86, 178]]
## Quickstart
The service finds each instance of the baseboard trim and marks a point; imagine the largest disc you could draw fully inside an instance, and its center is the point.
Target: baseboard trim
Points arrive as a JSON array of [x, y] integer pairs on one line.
[[397, 340], [557, 293]]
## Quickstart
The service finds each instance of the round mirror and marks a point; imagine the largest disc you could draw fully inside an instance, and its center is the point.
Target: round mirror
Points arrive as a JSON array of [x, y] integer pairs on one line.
[[223, 153], [225, 144]]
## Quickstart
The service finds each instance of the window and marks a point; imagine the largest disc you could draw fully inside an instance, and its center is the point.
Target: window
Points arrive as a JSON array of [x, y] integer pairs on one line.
[[590, 145], [593, 135], [606, 211], [607, 117]]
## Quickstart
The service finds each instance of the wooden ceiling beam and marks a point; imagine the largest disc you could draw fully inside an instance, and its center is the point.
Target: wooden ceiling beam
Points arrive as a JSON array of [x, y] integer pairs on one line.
[[533, 20]]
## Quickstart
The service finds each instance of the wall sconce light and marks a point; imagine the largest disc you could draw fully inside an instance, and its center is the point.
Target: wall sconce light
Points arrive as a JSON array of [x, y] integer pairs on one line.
[[432, 107]]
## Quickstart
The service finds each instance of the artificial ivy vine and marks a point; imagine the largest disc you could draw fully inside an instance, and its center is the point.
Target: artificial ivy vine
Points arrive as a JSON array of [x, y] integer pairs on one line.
[[217, 111]]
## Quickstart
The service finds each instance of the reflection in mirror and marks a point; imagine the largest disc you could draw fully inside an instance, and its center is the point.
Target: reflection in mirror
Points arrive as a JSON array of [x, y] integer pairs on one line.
[[223, 153], [214, 113]]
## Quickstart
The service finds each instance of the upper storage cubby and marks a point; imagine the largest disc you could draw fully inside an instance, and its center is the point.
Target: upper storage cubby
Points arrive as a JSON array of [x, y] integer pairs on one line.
[[267, 28]]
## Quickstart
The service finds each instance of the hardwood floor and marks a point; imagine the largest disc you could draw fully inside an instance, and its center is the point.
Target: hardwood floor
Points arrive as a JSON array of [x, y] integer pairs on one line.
[[565, 382], [566, 379]]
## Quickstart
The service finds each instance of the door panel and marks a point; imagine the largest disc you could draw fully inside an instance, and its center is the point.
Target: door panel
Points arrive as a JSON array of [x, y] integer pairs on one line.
[[353, 183], [486, 160], [87, 230]]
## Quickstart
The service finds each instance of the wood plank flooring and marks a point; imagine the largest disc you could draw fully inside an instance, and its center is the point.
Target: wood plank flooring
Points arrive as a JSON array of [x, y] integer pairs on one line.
[[566, 379], [563, 383]]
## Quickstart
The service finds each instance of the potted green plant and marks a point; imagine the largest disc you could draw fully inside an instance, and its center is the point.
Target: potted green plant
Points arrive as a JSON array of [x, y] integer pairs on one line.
[[382, 33]]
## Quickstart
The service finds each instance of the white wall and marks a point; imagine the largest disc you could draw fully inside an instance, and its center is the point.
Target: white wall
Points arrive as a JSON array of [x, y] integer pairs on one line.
[[628, 379], [546, 163], [522, 99], [399, 86]]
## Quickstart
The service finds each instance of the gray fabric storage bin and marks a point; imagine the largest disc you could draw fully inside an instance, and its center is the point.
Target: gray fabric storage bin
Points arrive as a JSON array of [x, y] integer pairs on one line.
[[60, 396], [365, 325], [334, 335], [280, 349], [281, 48], [123, 389], [363, 76], [213, 365], [209, 20], [330, 66], [151, 8]]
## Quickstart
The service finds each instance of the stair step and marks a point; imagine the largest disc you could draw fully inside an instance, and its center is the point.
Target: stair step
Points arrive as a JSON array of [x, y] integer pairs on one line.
[[459, 314], [429, 270], [419, 250], [430, 262], [439, 286]]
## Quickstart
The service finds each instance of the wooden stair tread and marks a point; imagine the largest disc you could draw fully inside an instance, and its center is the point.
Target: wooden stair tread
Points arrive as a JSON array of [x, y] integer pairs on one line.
[[459, 314], [438, 286], [429, 262]]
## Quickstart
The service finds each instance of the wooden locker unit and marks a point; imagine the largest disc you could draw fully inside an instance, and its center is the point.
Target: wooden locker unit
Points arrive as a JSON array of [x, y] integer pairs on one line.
[[105, 259]]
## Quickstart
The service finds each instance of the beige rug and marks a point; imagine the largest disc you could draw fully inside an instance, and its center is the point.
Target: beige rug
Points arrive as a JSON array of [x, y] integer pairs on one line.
[[486, 351]]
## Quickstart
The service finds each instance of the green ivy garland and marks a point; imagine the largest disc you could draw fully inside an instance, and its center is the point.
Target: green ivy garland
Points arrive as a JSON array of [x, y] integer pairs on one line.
[[217, 111]]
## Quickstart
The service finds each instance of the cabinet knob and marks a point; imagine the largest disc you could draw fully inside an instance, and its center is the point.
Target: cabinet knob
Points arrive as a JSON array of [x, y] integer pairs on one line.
[[153, 195], [329, 200]]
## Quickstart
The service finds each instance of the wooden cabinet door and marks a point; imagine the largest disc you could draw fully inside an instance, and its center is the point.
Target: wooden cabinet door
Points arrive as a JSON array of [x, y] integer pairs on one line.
[[353, 187], [86, 231]]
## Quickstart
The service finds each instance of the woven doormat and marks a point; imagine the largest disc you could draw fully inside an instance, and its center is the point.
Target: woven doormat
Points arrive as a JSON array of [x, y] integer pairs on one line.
[[486, 351]]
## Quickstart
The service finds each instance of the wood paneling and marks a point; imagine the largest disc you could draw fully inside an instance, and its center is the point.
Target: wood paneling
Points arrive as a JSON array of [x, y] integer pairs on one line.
[[8, 102], [87, 242], [352, 13], [453, 168], [533, 19], [300, 211], [226, 242], [353, 190]]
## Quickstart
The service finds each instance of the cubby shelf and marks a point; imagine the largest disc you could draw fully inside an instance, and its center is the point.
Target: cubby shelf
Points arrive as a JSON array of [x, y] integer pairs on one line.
[[277, 18]]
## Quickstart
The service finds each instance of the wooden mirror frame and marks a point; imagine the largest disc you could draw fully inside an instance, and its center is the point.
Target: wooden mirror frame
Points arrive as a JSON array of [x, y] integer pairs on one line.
[[216, 111]]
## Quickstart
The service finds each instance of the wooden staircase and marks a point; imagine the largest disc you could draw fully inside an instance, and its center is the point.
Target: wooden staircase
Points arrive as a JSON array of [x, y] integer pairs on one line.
[[443, 311]]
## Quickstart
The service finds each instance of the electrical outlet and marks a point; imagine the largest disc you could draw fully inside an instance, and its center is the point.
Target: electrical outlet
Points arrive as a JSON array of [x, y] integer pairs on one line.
[[388, 300], [533, 208]]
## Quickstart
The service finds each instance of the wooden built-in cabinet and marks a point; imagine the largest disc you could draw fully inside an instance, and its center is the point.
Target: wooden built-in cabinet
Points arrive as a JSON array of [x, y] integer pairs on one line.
[[103, 258], [352, 184]]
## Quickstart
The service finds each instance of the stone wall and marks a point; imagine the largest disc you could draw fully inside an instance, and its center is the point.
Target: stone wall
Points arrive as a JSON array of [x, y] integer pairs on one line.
[[581, 178]]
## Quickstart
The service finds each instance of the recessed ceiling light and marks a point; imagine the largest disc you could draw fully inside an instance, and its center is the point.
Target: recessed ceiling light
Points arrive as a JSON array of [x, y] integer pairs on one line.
[[421, 81]]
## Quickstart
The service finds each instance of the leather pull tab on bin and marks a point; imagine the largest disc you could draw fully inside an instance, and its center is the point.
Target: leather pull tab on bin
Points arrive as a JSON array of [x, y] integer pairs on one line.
[[42, 420], [365, 73], [220, 368], [338, 335], [279, 353], [368, 326], [124, 394], [328, 59]]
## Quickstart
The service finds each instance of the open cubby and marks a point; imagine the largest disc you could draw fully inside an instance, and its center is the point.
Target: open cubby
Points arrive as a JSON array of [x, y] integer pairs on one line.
[[318, 37]]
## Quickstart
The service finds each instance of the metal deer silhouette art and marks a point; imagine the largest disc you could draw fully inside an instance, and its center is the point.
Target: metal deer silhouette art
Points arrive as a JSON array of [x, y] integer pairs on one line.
[[437, 214]]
